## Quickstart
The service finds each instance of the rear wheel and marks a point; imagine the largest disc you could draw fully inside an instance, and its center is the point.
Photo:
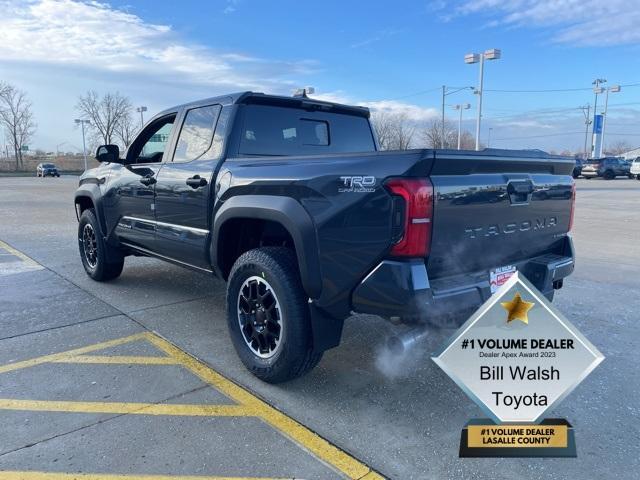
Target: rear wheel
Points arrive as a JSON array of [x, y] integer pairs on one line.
[[609, 175], [101, 261], [268, 315]]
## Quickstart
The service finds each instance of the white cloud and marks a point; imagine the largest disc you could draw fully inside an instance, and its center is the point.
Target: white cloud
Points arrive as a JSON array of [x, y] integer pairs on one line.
[[413, 112], [92, 35], [575, 22]]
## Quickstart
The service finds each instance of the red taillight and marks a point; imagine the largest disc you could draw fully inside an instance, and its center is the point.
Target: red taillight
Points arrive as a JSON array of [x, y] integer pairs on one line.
[[418, 215], [573, 204]]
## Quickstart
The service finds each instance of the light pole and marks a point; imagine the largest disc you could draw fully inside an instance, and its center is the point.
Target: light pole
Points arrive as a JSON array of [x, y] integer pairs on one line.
[[58, 148], [489, 138], [587, 121], [612, 89], [141, 110], [83, 122], [492, 54], [448, 91], [461, 107], [597, 90]]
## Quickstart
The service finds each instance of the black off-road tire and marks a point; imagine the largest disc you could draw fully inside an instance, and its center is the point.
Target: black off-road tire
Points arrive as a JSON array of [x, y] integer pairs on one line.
[[101, 261], [274, 269]]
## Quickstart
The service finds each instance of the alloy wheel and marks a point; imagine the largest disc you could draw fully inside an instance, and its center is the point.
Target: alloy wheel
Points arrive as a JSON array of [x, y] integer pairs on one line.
[[260, 317]]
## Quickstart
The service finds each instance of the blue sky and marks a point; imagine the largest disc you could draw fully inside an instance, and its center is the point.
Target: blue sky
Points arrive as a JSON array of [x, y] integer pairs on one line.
[[386, 55]]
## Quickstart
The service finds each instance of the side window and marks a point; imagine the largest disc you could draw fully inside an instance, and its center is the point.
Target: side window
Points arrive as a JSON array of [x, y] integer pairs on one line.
[[150, 144], [197, 133]]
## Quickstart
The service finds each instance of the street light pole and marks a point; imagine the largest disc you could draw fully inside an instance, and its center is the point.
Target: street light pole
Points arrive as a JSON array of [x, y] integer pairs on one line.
[[82, 123], [444, 94], [462, 107], [597, 89], [612, 89], [479, 112], [492, 54], [140, 110], [587, 122]]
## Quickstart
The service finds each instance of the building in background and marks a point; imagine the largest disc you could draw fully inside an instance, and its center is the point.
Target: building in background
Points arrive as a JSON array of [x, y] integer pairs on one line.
[[631, 154]]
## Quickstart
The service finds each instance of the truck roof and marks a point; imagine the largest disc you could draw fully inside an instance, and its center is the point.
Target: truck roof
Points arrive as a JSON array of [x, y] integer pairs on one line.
[[249, 97]]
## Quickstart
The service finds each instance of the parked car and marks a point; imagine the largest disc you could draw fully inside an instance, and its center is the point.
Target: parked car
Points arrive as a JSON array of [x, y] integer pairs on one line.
[[577, 169], [635, 168], [607, 168], [46, 170], [290, 202]]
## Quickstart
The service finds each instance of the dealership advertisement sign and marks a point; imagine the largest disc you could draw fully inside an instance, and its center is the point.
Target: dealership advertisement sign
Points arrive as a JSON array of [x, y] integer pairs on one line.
[[517, 357]]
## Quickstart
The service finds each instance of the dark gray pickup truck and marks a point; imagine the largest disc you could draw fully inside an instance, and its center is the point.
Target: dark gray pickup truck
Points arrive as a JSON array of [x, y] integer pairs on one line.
[[289, 200]]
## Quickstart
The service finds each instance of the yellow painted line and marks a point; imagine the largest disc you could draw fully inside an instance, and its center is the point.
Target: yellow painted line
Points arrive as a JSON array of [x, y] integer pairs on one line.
[[18, 254], [71, 353], [9, 475], [119, 359], [126, 408], [372, 476], [297, 432], [249, 405]]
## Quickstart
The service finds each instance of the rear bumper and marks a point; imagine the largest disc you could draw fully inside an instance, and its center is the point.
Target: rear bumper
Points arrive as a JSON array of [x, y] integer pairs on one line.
[[403, 289]]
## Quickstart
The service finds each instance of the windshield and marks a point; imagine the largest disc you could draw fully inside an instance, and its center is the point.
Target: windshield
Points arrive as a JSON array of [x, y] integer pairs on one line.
[[48, 165]]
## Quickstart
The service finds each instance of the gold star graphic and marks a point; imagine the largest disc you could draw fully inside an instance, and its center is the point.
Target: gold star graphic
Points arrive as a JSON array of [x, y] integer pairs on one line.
[[517, 309]]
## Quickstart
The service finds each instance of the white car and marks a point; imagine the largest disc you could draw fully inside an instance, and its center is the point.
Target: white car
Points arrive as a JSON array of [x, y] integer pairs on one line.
[[635, 168]]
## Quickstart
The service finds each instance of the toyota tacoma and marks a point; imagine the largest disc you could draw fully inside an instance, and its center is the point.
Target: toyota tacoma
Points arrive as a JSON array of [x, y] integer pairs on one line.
[[290, 201]]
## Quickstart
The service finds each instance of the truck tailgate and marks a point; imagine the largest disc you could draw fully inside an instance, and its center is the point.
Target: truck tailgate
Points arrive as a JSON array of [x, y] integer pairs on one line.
[[493, 210]]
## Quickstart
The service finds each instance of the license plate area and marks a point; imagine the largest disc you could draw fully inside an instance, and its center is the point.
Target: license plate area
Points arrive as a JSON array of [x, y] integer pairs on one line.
[[499, 276]]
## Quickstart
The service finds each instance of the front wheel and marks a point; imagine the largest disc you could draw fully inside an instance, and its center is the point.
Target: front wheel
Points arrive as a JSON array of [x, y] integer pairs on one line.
[[609, 175], [101, 261], [268, 315]]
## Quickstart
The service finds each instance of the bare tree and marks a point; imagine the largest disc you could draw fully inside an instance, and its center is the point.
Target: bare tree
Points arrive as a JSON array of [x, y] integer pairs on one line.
[[467, 141], [382, 124], [126, 129], [104, 113], [17, 118], [395, 131], [432, 134], [621, 146]]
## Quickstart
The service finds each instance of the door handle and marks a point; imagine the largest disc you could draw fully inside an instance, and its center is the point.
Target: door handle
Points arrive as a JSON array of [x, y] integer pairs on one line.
[[196, 181], [148, 180]]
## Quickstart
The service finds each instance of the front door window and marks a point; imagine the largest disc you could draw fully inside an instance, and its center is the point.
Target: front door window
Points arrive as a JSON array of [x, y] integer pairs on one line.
[[150, 145]]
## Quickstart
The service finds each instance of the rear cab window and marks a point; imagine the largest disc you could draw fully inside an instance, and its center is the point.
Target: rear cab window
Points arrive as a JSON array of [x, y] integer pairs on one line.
[[282, 130]]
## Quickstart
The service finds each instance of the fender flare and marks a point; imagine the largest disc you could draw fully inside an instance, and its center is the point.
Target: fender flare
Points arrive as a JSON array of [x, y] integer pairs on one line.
[[292, 216], [93, 193]]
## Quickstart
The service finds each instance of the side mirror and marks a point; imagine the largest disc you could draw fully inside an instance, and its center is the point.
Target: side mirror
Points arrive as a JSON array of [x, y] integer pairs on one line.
[[108, 153]]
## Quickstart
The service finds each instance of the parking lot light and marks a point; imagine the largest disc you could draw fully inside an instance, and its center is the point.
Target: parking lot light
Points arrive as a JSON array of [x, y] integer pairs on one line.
[[141, 110], [82, 122], [461, 107], [612, 89], [491, 54]]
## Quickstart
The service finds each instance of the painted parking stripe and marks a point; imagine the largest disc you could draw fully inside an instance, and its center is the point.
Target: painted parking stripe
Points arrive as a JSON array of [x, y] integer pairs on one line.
[[247, 405], [102, 476], [119, 359], [131, 408], [23, 264]]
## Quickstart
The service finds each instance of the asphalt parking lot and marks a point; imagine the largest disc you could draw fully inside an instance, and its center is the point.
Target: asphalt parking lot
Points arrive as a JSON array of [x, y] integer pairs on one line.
[[138, 377]]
